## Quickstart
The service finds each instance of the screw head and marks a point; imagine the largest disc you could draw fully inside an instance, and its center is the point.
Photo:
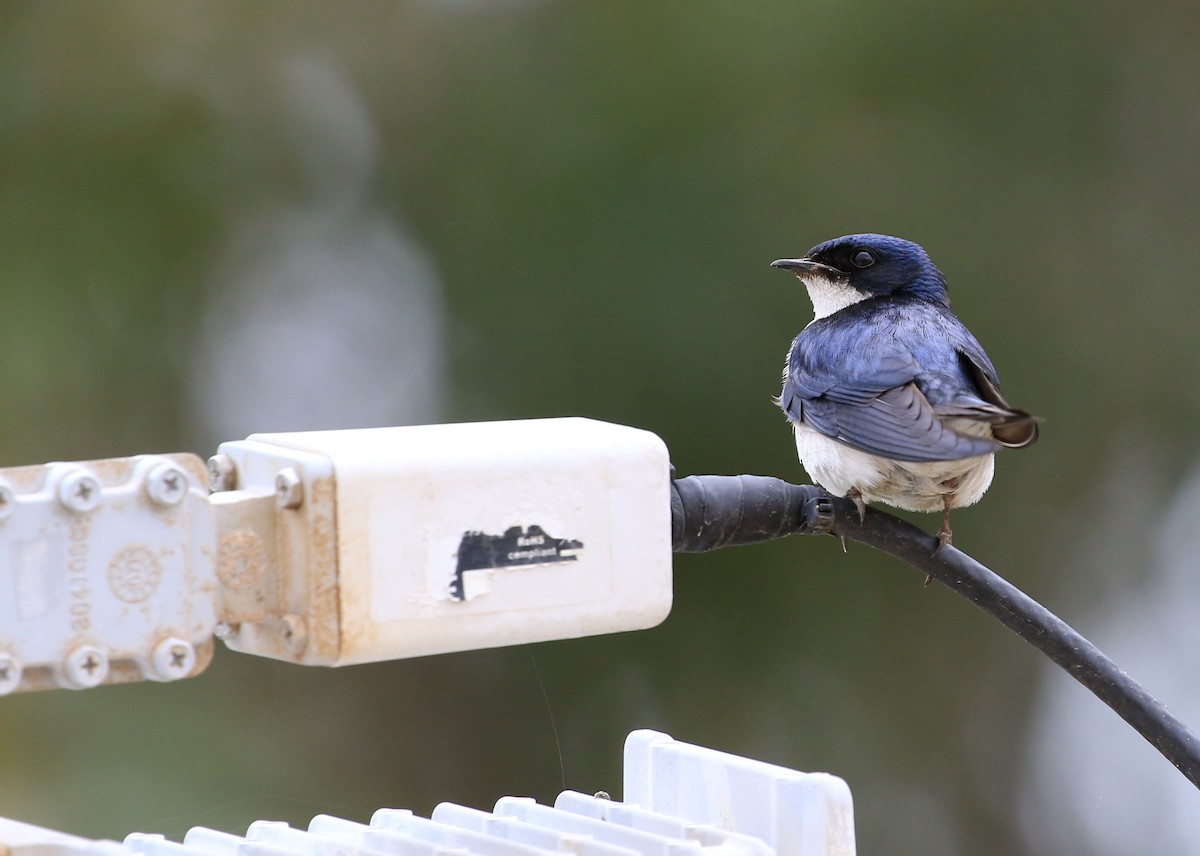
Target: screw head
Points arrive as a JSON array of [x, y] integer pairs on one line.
[[8, 500], [10, 673], [289, 488], [85, 667], [173, 658], [167, 484], [79, 491], [222, 473]]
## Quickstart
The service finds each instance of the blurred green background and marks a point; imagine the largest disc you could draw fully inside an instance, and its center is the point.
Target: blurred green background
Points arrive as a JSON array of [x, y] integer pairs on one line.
[[219, 218]]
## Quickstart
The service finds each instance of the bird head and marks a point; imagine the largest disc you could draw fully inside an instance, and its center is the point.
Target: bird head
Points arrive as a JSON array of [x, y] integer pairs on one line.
[[853, 268]]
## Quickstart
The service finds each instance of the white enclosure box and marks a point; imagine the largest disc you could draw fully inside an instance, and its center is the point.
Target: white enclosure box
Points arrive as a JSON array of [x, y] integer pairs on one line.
[[105, 572], [402, 542]]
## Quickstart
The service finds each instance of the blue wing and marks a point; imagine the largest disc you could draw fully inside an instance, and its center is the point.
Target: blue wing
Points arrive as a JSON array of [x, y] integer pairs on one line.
[[891, 378]]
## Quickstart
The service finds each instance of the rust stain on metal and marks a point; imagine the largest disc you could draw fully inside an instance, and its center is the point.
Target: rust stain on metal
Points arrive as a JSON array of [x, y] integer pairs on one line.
[[27, 479], [241, 559], [111, 471], [134, 573], [324, 620]]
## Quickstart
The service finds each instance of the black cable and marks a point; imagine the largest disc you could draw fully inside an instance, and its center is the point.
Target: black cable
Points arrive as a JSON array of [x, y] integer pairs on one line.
[[709, 512]]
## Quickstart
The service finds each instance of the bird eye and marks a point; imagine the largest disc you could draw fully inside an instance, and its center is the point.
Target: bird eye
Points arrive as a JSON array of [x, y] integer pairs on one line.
[[863, 259]]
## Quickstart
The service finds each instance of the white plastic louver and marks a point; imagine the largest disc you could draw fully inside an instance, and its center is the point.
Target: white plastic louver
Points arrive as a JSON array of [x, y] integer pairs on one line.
[[681, 800]]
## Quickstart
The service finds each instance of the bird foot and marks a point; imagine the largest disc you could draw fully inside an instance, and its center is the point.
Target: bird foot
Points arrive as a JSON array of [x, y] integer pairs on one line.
[[855, 496], [944, 536]]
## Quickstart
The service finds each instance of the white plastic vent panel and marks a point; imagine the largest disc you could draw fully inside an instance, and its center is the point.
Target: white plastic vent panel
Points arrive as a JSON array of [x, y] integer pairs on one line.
[[690, 801]]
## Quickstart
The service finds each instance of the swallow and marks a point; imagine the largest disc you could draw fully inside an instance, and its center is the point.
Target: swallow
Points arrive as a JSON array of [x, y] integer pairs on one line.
[[891, 397]]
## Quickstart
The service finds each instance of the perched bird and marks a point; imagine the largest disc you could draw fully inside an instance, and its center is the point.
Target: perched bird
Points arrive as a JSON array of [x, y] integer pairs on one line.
[[891, 397]]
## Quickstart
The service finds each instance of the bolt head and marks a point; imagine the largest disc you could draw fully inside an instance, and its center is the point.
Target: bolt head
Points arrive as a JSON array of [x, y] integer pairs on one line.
[[79, 491], [85, 667], [173, 658], [167, 484], [226, 629], [289, 488], [222, 473], [10, 673]]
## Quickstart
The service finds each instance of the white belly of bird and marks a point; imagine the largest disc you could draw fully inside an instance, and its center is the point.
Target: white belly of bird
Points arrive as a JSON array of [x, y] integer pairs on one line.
[[913, 486]]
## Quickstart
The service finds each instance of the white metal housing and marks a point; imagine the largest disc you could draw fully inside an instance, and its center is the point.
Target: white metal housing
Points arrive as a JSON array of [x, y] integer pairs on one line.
[[428, 539]]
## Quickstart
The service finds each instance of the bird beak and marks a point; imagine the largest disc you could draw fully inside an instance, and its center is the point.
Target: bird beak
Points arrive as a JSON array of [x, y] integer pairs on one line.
[[800, 267]]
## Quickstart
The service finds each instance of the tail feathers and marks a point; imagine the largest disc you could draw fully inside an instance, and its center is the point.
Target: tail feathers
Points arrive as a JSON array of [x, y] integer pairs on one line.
[[1018, 430], [1011, 427], [1007, 426]]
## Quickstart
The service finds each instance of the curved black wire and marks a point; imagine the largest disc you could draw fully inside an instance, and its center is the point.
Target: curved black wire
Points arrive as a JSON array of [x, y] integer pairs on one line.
[[709, 512]]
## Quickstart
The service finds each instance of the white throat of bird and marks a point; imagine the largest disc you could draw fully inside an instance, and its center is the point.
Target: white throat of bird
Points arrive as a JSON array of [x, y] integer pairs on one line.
[[829, 296]]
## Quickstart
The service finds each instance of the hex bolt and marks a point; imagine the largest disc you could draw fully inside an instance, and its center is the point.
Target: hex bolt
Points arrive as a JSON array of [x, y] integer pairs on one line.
[[289, 488], [222, 473], [167, 484], [10, 673], [86, 667], [173, 659], [8, 500], [79, 491]]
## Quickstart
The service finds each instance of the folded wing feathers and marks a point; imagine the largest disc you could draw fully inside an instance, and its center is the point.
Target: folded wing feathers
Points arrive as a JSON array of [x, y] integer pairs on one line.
[[900, 422]]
